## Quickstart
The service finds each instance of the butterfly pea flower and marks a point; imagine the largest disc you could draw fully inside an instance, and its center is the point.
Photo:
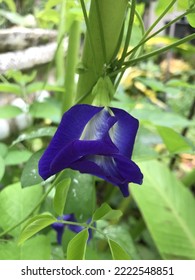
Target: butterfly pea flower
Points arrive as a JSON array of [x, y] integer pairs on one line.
[[97, 141], [59, 227]]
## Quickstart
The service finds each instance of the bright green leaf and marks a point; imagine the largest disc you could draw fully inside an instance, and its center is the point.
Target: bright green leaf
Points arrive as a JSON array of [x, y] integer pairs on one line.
[[10, 88], [59, 201], [118, 253], [30, 175], [168, 209], [47, 110], [77, 246], [15, 157], [15, 204], [11, 5], [36, 224], [2, 167], [39, 133], [105, 212], [3, 150], [9, 111], [40, 244], [174, 142], [81, 195]]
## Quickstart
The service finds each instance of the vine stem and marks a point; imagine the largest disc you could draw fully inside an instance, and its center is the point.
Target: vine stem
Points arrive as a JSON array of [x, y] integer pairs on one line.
[[151, 54]]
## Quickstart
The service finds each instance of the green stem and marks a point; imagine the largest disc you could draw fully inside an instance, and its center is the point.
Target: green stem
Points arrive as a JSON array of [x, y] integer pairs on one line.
[[59, 56], [144, 39], [142, 46], [104, 22], [156, 52], [33, 210], [159, 18], [129, 31], [71, 63]]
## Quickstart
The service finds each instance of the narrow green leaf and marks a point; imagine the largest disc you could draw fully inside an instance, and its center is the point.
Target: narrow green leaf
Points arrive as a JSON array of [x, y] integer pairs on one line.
[[174, 142], [105, 212], [168, 209], [39, 133], [59, 201], [36, 224], [10, 88], [77, 246], [2, 167], [9, 111], [30, 175], [118, 253]]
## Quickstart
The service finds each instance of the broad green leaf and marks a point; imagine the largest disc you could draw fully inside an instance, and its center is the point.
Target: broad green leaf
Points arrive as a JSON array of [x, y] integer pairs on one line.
[[3, 150], [118, 253], [39, 133], [60, 197], [37, 248], [15, 157], [191, 18], [174, 142], [158, 117], [81, 195], [10, 88], [161, 6], [30, 175], [9, 111], [46, 110], [15, 204], [119, 233], [77, 246], [2, 168], [168, 209], [105, 212], [36, 224]]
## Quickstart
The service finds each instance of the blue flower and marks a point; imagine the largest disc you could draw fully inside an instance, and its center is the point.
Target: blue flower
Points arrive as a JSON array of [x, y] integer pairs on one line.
[[59, 227], [97, 141]]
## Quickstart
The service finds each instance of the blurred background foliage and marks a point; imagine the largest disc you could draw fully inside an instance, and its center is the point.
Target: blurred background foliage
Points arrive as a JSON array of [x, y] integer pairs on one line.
[[158, 218]]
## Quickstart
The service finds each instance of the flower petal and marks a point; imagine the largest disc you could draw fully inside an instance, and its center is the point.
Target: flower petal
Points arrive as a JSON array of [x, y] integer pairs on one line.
[[70, 128], [123, 133], [76, 150], [98, 126], [117, 170]]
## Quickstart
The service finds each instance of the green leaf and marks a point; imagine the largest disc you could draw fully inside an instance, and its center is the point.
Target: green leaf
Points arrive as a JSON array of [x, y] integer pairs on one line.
[[155, 116], [11, 5], [105, 212], [81, 195], [37, 248], [168, 209], [3, 150], [46, 110], [34, 225], [15, 157], [2, 167], [36, 86], [39, 133], [9, 111], [10, 88], [16, 203], [77, 246], [174, 142], [60, 197], [118, 253], [30, 175]]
